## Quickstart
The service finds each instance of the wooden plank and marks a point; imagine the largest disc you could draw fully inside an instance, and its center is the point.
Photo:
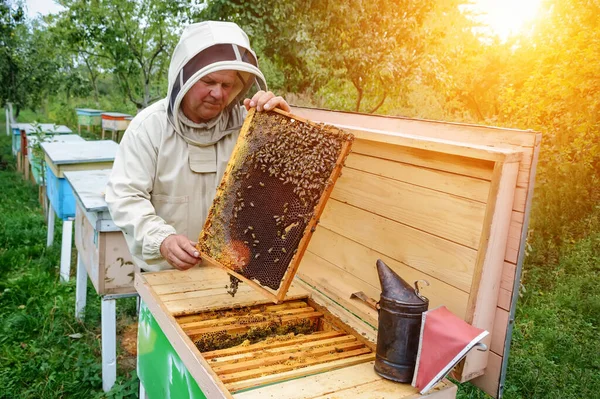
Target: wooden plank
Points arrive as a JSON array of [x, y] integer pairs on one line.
[[239, 328], [320, 384], [499, 331], [410, 246], [298, 349], [118, 266], [480, 169], [201, 293], [339, 285], [484, 293], [483, 135], [439, 180], [453, 218], [90, 187], [237, 350], [305, 354], [506, 285], [221, 321], [226, 301], [490, 381], [435, 144], [81, 152], [316, 366], [200, 274], [504, 298], [514, 237], [359, 261], [381, 389], [186, 320], [338, 382], [200, 370]]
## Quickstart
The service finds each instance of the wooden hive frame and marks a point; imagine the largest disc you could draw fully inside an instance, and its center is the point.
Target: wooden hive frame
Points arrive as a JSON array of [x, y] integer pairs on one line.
[[370, 147], [280, 294]]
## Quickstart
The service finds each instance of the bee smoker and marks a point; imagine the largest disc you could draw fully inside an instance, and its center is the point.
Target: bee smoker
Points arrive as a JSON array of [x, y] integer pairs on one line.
[[400, 310]]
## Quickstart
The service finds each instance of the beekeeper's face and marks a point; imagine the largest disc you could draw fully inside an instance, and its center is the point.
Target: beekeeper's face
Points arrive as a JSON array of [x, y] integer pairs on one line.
[[209, 96]]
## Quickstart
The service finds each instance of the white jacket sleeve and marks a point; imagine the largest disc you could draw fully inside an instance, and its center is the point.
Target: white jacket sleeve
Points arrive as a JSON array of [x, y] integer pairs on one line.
[[129, 191]]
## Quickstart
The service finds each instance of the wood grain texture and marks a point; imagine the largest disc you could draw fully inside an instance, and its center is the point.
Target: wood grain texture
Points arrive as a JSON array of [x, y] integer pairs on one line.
[[486, 282], [444, 215], [421, 176], [359, 261], [200, 370], [476, 134], [340, 382], [418, 249]]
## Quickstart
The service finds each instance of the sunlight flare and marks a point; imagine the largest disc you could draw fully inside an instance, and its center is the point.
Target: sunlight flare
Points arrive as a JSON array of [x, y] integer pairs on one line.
[[506, 17]]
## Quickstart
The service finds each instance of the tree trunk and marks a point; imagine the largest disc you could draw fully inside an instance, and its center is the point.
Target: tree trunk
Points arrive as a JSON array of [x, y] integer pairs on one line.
[[360, 95], [380, 103]]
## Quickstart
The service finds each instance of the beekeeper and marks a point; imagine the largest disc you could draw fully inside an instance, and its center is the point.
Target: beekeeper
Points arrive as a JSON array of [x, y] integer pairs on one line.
[[174, 153]]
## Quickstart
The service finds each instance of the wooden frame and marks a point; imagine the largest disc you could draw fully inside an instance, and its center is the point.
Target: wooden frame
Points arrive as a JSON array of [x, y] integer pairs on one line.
[[174, 298], [310, 227], [525, 142]]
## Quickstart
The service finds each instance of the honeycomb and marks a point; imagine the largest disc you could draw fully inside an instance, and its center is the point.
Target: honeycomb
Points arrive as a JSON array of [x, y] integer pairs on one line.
[[269, 196]]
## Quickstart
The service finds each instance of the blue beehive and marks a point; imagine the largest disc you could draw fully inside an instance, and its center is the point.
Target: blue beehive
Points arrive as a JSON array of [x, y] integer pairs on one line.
[[37, 162], [73, 156]]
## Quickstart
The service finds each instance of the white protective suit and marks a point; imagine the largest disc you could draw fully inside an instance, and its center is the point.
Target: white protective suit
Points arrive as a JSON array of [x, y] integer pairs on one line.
[[167, 167]]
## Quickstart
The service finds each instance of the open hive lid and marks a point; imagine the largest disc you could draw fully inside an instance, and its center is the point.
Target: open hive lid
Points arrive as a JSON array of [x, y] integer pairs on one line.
[[273, 191]]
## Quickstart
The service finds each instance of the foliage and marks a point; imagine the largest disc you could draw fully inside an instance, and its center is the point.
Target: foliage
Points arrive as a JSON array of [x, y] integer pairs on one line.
[[131, 39], [28, 67]]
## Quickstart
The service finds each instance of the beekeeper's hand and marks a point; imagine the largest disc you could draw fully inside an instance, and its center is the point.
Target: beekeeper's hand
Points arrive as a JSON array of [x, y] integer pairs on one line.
[[180, 252], [266, 101]]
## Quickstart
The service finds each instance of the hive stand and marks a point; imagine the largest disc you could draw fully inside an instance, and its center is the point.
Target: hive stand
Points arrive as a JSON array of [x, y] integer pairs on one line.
[[60, 158], [89, 118], [115, 122], [103, 256]]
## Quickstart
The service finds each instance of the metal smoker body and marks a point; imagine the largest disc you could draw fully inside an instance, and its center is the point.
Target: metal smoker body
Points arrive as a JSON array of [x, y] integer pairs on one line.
[[401, 308]]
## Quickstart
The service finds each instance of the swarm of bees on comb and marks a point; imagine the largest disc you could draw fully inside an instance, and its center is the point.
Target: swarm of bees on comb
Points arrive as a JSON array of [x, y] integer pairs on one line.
[[267, 201]]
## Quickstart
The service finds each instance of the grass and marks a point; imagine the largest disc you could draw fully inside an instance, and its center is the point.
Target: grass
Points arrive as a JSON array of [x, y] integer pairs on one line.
[[46, 353]]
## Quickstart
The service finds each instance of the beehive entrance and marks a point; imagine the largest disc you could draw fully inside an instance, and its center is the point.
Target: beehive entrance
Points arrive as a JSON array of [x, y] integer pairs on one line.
[[251, 346], [273, 191]]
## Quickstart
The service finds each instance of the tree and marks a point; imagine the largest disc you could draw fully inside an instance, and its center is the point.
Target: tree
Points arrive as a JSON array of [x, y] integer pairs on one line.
[[28, 63], [131, 39]]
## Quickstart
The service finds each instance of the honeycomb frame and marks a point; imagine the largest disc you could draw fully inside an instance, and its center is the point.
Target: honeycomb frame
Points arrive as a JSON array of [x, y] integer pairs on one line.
[[222, 242]]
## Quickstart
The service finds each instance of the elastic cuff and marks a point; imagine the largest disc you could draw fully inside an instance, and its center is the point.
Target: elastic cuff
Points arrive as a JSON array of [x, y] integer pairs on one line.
[[151, 248]]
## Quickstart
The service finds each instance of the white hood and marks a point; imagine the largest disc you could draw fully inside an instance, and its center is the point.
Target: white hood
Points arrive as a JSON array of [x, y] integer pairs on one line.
[[208, 47]]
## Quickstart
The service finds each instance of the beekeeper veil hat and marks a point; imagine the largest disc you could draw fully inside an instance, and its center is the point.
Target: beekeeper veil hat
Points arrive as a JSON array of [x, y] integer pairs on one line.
[[208, 47]]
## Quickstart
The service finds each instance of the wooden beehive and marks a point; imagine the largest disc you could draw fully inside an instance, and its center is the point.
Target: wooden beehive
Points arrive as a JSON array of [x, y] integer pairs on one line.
[[63, 157], [89, 118], [36, 161], [371, 146], [436, 209], [100, 243]]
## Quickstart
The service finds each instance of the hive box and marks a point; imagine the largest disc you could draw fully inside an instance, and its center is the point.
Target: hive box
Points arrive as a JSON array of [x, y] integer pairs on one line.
[[29, 128], [115, 122], [37, 162], [62, 157], [100, 244], [447, 203], [89, 118]]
